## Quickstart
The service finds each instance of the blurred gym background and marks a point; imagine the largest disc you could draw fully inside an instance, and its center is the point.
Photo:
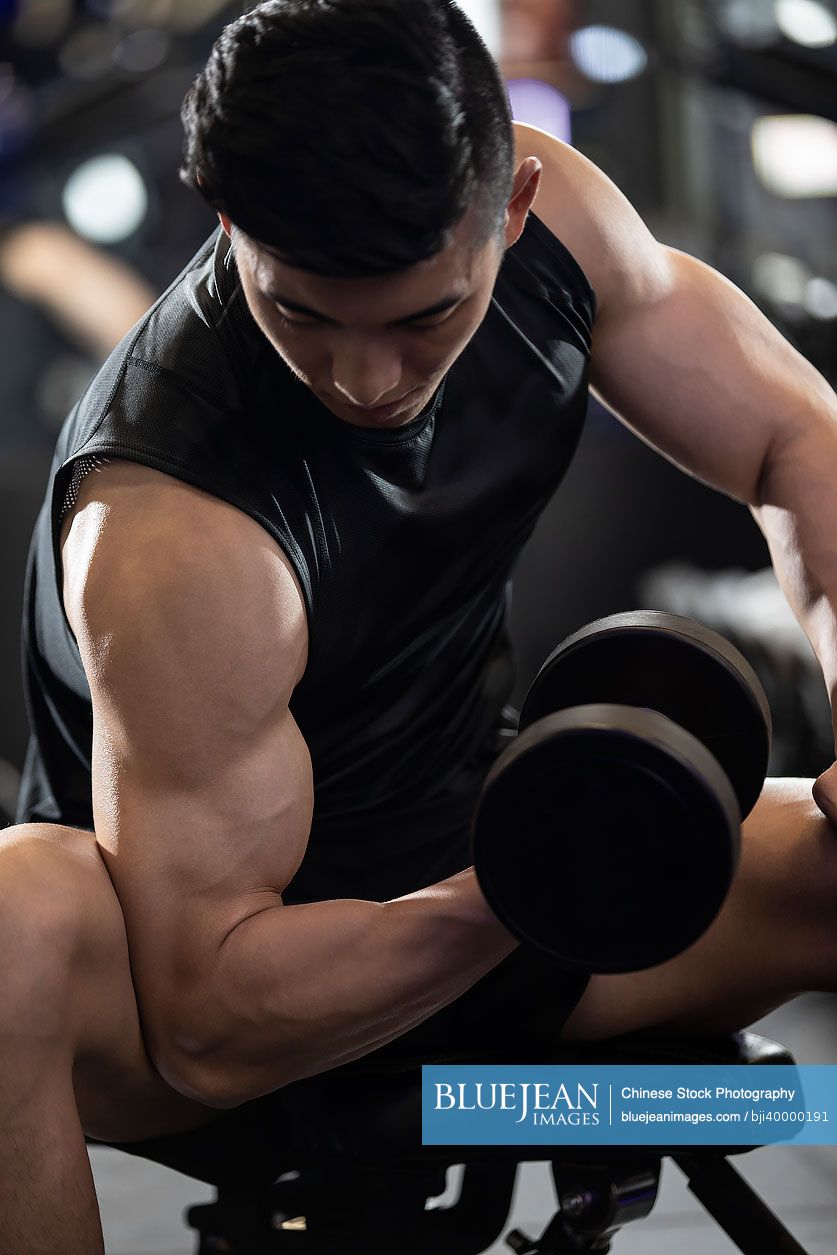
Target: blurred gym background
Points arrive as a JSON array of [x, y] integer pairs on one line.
[[717, 118]]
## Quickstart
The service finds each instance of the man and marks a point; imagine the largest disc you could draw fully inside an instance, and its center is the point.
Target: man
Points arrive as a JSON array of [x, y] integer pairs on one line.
[[265, 642]]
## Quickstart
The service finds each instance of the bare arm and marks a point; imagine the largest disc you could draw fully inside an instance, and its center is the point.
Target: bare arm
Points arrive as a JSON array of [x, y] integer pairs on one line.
[[94, 295], [690, 364], [680, 354], [193, 635]]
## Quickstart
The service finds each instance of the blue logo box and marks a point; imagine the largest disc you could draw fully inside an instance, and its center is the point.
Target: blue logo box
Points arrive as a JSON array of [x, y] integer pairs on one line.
[[629, 1105]]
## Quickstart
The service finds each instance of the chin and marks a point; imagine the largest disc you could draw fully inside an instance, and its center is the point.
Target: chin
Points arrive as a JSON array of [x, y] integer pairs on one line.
[[359, 418]]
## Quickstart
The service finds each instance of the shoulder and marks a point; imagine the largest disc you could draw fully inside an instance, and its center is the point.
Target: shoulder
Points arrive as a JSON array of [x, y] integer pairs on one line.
[[588, 213], [148, 560], [197, 339]]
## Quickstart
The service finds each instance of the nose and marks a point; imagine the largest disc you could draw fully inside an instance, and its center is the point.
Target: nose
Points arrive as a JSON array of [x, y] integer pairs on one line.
[[366, 372]]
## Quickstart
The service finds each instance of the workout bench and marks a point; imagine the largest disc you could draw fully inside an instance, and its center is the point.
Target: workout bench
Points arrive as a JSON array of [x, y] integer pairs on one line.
[[360, 1180]]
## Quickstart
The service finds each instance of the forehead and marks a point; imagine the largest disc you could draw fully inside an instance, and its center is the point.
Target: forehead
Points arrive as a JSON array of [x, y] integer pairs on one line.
[[454, 272]]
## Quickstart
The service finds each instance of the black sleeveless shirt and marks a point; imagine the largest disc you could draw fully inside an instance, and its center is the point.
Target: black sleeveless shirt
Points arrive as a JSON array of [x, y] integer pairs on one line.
[[403, 540]]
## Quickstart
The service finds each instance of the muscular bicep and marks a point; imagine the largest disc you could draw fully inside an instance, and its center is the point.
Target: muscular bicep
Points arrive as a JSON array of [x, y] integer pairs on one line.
[[679, 354], [192, 634], [705, 378]]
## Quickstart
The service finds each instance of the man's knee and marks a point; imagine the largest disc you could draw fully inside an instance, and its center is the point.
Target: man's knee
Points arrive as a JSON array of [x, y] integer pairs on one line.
[[789, 856], [775, 936], [48, 881]]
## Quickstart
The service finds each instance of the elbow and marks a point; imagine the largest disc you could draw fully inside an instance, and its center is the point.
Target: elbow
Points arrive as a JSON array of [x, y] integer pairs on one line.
[[761, 491], [193, 1067], [203, 1081], [206, 1069]]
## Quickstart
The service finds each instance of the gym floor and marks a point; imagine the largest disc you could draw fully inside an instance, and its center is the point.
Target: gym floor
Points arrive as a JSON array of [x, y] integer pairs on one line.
[[143, 1204]]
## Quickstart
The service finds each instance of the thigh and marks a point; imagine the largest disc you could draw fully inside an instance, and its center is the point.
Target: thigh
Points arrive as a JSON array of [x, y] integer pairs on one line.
[[775, 936], [67, 923]]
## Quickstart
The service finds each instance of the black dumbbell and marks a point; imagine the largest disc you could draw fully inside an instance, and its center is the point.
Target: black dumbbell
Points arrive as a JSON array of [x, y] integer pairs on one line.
[[607, 835]]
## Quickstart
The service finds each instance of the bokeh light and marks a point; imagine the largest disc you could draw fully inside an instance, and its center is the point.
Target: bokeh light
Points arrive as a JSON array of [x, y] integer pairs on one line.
[[605, 54], [541, 105], [796, 155], [105, 199], [142, 51], [806, 22]]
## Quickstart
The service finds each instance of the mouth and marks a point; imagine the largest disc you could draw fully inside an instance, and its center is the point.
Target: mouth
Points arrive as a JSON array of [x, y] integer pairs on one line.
[[380, 413]]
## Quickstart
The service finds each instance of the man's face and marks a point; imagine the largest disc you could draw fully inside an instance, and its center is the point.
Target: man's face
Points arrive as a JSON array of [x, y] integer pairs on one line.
[[373, 350]]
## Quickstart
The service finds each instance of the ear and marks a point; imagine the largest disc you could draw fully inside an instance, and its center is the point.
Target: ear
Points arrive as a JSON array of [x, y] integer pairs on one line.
[[224, 220], [527, 180]]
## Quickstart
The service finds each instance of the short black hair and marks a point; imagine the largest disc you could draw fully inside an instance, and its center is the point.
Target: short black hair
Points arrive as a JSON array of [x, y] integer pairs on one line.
[[350, 136]]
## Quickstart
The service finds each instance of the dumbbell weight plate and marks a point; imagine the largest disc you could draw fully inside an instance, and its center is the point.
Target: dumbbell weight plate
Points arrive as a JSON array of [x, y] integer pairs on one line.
[[606, 837], [648, 658]]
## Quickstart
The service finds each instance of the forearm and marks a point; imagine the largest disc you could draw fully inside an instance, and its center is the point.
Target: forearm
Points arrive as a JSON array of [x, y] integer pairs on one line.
[[95, 296], [297, 990], [797, 513]]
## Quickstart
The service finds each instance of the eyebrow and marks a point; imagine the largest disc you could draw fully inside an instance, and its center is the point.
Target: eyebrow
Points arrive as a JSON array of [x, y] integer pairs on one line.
[[294, 307]]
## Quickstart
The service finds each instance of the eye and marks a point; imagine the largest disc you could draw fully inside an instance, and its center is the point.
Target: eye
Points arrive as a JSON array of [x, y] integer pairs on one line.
[[285, 321], [429, 324]]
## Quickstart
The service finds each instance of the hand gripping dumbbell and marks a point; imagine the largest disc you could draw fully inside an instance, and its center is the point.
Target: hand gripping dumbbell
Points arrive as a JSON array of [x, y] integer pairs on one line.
[[607, 835]]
